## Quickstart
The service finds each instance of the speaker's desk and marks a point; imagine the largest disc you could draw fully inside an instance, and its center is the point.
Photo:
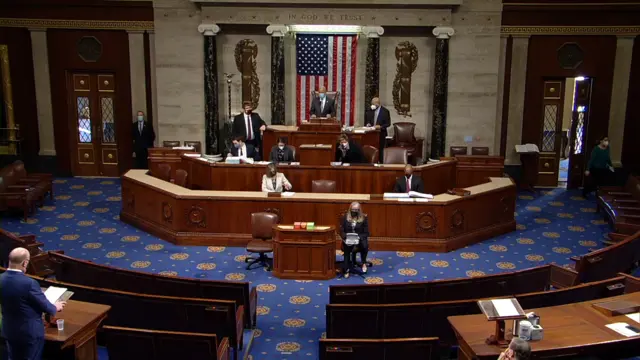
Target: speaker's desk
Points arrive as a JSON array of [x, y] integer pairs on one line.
[[296, 136], [304, 254], [198, 217]]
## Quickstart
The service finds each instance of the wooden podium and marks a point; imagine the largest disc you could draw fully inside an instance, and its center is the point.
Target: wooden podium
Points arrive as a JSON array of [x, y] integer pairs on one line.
[[304, 254], [78, 339], [321, 124], [316, 154]]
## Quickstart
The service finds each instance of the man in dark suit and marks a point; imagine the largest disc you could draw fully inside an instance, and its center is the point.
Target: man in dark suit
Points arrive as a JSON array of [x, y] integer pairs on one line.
[[322, 106], [22, 306], [242, 149], [250, 125], [379, 117], [143, 138], [409, 182], [348, 151], [281, 152]]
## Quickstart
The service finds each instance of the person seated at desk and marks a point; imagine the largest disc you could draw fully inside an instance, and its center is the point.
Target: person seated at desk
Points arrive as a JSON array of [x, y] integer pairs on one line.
[[348, 151], [281, 152], [355, 221], [242, 149], [518, 350], [409, 182], [273, 181], [322, 106]]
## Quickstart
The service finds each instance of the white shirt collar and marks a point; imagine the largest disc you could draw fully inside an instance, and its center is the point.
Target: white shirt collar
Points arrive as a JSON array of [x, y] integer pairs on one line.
[[15, 270]]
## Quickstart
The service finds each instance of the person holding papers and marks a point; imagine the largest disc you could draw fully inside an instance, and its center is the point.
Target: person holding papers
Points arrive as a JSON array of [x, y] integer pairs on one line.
[[409, 182], [273, 181], [23, 303], [243, 150], [354, 230], [348, 151]]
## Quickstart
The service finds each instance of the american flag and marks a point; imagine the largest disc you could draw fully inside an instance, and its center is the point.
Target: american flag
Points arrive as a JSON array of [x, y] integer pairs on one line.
[[329, 61]]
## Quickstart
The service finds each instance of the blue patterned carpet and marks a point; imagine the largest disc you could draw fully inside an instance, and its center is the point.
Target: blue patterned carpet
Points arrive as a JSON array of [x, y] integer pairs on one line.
[[83, 221]]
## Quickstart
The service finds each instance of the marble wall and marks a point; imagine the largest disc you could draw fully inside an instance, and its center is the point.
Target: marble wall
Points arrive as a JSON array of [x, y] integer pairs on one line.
[[421, 82], [227, 64]]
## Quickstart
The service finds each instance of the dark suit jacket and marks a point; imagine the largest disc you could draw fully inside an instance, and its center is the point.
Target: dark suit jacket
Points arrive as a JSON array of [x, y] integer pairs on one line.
[[251, 151], [288, 154], [329, 107], [239, 127], [23, 303], [384, 119], [145, 140], [362, 229], [416, 184], [353, 156]]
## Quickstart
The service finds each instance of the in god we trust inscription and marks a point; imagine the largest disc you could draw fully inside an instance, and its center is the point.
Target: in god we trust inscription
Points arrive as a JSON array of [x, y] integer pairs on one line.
[[327, 17]]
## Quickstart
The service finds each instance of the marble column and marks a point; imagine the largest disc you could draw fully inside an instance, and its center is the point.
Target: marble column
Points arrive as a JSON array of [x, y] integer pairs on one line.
[[152, 77], [372, 73], [211, 123], [277, 33], [617, 113], [517, 86], [440, 90], [43, 91], [137, 70], [500, 103]]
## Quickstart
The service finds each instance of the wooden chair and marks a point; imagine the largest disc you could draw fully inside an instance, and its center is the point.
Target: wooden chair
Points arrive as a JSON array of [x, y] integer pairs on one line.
[[170, 143], [395, 155], [262, 233], [621, 205], [197, 145], [370, 154], [17, 195], [323, 186], [130, 343], [458, 150], [379, 349], [81, 272], [480, 150], [164, 172], [181, 178], [42, 182], [39, 264]]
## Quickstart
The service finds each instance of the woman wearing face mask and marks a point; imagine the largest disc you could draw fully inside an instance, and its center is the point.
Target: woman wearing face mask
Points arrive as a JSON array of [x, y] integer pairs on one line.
[[282, 152], [273, 181], [599, 168], [355, 221]]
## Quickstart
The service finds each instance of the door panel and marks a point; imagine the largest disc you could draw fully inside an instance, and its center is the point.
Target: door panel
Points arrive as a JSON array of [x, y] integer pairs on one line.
[[551, 134], [94, 146], [580, 120]]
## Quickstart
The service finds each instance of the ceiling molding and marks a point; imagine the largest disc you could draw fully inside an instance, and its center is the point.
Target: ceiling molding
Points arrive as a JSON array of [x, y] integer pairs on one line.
[[570, 30], [76, 24]]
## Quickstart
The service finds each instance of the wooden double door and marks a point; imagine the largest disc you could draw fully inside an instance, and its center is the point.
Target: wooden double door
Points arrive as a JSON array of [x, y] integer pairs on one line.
[[92, 123]]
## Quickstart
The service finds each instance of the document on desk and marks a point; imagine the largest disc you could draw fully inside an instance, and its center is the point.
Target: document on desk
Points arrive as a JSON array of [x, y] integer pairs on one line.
[[288, 193], [635, 317], [406, 199], [395, 195], [623, 329], [54, 293], [504, 307]]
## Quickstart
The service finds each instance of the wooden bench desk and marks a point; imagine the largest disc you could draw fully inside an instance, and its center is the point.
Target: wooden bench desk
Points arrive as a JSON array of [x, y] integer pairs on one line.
[[569, 331]]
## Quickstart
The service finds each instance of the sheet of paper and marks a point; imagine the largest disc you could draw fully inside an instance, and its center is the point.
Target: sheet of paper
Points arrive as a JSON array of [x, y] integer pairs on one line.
[[421, 200], [621, 328], [406, 199], [360, 131], [262, 162], [288, 193], [322, 227], [285, 227], [395, 195], [635, 317], [54, 293], [192, 155], [504, 307]]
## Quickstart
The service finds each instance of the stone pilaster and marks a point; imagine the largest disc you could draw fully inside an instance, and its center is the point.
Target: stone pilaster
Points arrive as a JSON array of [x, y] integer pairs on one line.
[[137, 69], [152, 77], [43, 91], [617, 113], [500, 103], [517, 86], [277, 33], [211, 123], [372, 73], [440, 90]]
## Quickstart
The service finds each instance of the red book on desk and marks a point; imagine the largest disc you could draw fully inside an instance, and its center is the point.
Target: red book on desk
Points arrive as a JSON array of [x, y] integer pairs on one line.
[[297, 225]]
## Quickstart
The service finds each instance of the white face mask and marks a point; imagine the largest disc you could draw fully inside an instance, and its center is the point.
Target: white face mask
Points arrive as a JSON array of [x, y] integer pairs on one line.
[[373, 107], [605, 143], [281, 147]]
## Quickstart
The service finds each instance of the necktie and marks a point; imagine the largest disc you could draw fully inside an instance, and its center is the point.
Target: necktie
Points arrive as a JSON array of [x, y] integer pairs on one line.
[[375, 118], [408, 185], [249, 135], [140, 127], [240, 152]]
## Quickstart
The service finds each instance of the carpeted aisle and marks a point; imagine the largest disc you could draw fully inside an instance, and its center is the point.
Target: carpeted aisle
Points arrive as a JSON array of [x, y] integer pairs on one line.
[[83, 221]]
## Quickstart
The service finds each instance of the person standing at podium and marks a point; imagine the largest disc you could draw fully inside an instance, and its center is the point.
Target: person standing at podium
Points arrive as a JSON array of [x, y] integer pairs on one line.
[[23, 303], [250, 125], [322, 106], [354, 221], [379, 117], [273, 181], [409, 182], [348, 151]]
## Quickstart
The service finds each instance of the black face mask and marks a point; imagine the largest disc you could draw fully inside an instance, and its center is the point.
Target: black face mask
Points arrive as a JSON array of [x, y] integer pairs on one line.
[[407, 175], [354, 214], [248, 112]]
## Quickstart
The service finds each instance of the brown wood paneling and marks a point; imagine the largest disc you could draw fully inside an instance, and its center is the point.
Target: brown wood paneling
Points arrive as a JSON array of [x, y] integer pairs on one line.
[[78, 9], [18, 40], [599, 57], [63, 57], [630, 145], [505, 96]]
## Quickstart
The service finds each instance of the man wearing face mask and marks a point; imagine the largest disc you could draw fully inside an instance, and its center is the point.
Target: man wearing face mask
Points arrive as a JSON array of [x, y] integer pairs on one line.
[[322, 106], [143, 138], [282, 152], [409, 182], [241, 149], [348, 151], [380, 117], [250, 125]]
